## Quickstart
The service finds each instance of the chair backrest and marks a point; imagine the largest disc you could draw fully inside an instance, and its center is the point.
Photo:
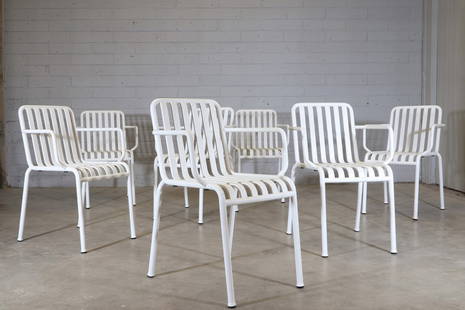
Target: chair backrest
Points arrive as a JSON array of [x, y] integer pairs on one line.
[[327, 133], [200, 117], [412, 127], [256, 119], [102, 145], [60, 121], [227, 114]]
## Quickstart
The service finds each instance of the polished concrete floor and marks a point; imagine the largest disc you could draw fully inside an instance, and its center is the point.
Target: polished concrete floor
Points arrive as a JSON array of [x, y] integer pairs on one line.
[[46, 270]]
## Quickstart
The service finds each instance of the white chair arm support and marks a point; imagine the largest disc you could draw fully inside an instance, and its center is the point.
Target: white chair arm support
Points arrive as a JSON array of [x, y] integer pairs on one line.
[[117, 130], [390, 145], [190, 147], [285, 160], [136, 136], [433, 142], [54, 150], [286, 128]]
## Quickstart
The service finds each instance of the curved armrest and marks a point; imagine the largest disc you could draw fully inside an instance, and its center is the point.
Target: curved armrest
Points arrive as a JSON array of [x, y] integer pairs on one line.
[[119, 131], [284, 161], [390, 146], [190, 147], [136, 136], [48, 132]]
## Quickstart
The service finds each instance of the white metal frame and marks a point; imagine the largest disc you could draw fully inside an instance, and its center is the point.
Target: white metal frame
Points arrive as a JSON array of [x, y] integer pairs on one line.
[[328, 145], [52, 132], [191, 134], [417, 132], [99, 146]]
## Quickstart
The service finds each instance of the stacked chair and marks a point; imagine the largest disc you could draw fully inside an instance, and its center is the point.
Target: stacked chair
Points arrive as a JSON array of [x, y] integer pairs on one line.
[[97, 146], [194, 141], [51, 143]]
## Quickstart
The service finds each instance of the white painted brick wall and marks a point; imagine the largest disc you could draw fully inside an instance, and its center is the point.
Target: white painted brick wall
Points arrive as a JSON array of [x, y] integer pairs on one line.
[[119, 54]]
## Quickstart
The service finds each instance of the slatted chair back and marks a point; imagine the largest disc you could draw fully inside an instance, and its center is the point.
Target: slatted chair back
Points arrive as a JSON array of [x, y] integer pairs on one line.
[[258, 143], [190, 133], [55, 141], [102, 145], [326, 135], [413, 128]]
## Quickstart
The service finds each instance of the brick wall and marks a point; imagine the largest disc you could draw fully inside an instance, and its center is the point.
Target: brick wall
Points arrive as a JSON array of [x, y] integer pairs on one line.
[[115, 54]]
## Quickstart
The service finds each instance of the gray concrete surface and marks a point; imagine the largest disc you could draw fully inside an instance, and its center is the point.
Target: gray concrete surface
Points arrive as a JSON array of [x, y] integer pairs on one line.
[[46, 271]]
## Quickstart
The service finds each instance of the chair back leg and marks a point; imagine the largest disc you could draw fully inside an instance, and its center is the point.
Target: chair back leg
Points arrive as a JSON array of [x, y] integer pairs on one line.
[[157, 191], [201, 193], [417, 190], [22, 217], [131, 208], [324, 229], [296, 236]]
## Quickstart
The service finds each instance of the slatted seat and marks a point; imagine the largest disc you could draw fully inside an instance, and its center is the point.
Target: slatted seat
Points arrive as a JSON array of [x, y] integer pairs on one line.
[[417, 133], [398, 157], [51, 143], [192, 130], [325, 142], [96, 171]]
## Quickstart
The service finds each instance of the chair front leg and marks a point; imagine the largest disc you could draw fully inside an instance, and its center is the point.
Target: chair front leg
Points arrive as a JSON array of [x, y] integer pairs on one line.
[[296, 237], [81, 222], [225, 237], [359, 206], [131, 208], [392, 215], [324, 229], [441, 182], [417, 190], [87, 195], [232, 221], [157, 191], [22, 217], [289, 211], [280, 164]]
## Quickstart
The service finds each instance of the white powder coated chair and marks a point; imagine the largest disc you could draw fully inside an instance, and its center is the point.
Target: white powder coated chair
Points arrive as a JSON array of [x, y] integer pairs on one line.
[[326, 143], [51, 143], [105, 145], [417, 131], [191, 134]]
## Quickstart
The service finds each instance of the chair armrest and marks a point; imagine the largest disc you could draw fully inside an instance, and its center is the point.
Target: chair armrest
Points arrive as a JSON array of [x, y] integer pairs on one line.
[[136, 136], [48, 132], [390, 146], [285, 161], [119, 131], [190, 147]]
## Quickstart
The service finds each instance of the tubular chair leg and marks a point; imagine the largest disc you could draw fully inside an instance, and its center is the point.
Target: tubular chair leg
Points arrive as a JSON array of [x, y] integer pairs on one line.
[[22, 217], [364, 198], [87, 195], [82, 233], [157, 190], [417, 190], [131, 208], [280, 164], [133, 186], [386, 195], [225, 236], [324, 229], [296, 237], [392, 215], [441, 182], [201, 193], [232, 221], [359, 207], [289, 219], [186, 197]]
